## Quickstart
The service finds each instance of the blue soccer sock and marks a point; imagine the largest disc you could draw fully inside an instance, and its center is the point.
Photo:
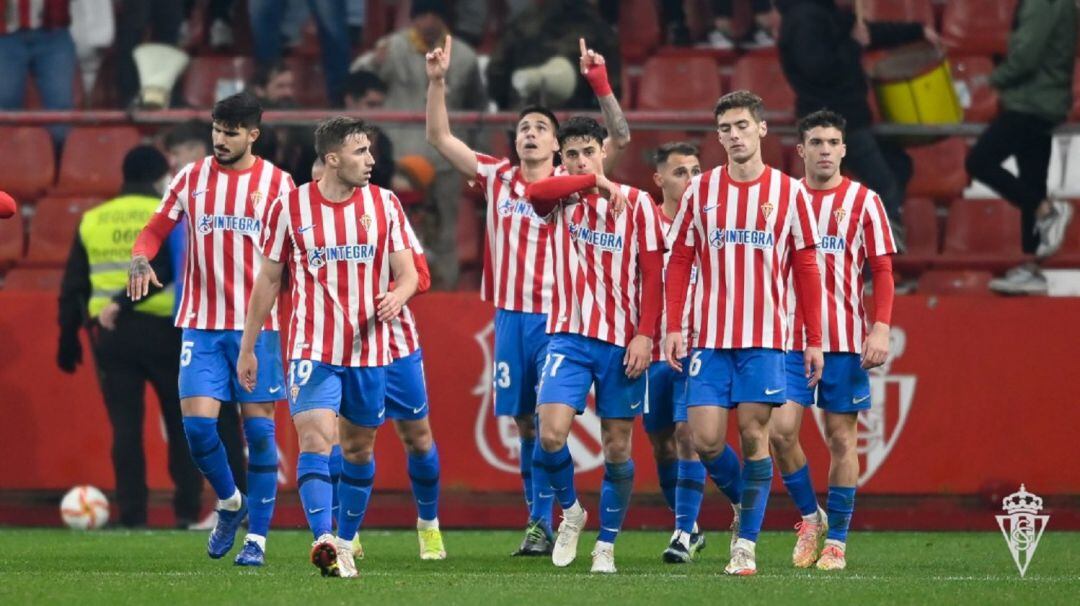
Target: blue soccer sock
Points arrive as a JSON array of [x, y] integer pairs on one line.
[[316, 493], [756, 480], [801, 491], [354, 490], [688, 494], [841, 505], [424, 475], [668, 472], [615, 498], [724, 471], [209, 454], [538, 493], [334, 466], [559, 469], [525, 463], [261, 473]]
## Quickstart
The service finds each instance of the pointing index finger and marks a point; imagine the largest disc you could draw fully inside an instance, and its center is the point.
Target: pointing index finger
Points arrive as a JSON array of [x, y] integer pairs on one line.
[[584, 49]]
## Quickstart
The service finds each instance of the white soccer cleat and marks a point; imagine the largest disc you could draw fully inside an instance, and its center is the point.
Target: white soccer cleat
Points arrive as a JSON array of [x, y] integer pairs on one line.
[[346, 564], [324, 555], [833, 557], [603, 558], [743, 562], [810, 536], [569, 532]]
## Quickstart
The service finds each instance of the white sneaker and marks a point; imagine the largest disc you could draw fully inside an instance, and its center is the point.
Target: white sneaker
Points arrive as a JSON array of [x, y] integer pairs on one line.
[[735, 521], [569, 532], [345, 562], [743, 562], [1051, 228], [1022, 280], [221, 34], [603, 558], [759, 38], [719, 41]]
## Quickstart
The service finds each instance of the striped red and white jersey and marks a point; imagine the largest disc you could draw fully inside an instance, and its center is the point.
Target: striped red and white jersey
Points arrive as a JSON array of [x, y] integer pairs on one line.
[[340, 258], [658, 342], [225, 212], [743, 235], [596, 251], [518, 268], [33, 14], [404, 336], [853, 226]]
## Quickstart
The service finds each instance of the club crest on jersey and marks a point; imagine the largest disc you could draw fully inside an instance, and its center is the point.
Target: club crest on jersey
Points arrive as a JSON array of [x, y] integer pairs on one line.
[[365, 221], [256, 197], [600, 239], [244, 225], [354, 253], [517, 206], [839, 214], [766, 209], [755, 238]]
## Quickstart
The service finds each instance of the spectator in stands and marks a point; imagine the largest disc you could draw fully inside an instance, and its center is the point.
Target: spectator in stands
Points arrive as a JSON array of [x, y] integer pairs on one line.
[[536, 59], [722, 36], [398, 59], [162, 17], [93, 296], [219, 15], [821, 50], [365, 92], [37, 41], [1034, 83], [331, 19], [290, 147], [187, 142]]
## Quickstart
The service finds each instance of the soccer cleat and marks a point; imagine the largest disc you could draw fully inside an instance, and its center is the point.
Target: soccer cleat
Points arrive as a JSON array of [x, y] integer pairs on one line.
[[697, 543], [603, 558], [223, 535], [743, 562], [565, 549], [832, 558], [357, 548], [537, 541], [735, 525], [810, 535], [324, 555], [678, 551], [346, 565], [250, 555], [431, 544]]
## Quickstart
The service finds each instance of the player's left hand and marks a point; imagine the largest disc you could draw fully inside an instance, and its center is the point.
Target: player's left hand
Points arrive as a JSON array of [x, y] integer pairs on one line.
[[594, 68], [814, 362], [247, 370], [875, 349], [638, 355], [108, 315], [390, 304]]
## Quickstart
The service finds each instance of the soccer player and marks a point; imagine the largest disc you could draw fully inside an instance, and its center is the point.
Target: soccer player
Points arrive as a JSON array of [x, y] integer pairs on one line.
[[518, 268], [342, 237], [854, 229], [749, 227], [608, 254], [224, 198]]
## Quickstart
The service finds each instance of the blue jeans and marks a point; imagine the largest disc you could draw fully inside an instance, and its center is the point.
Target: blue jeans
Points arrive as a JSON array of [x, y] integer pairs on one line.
[[330, 17], [50, 55]]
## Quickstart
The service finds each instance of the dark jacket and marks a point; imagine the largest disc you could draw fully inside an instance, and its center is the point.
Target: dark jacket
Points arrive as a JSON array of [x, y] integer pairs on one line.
[[1036, 76], [823, 63]]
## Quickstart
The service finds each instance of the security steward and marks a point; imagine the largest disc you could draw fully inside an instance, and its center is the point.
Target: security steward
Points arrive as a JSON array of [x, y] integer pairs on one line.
[[132, 342]]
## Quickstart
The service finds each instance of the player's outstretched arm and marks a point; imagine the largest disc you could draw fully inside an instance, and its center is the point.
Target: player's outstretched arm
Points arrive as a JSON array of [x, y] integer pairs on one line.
[[460, 155], [594, 68], [406, 281], [264, 294]]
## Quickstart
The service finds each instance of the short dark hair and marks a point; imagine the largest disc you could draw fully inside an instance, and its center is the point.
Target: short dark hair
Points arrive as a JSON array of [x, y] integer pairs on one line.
[[332, 133], [674, 147], [582, 127], [242, 109], [740, 99], [192, 131], [265, 72], [543, 111], [144, 164], [360, 82], [436, 7], [822, 117]]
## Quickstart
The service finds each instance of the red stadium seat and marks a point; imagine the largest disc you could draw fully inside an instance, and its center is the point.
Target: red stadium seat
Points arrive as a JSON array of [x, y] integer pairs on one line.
[[1069, 255], [11, 240], [944, 282], [639, 24], [93, 160], [29, 165], [977, 27], [923, 235], [53, 227], [470, 234], [202, 76], [22, 278], [762, 74], [982, 234], [974, 72], [939, 169], [674, 83], [900, 10]]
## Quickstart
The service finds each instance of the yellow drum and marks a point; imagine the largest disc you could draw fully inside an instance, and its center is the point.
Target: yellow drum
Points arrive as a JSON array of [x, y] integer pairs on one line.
[[913, 85]]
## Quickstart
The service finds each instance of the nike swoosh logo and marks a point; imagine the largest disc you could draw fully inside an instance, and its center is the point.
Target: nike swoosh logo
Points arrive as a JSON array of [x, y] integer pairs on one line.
[[274, 389], [419, 502], [635, 405], [860, 400], [266, 500], [773, 392], [315, 511], [680, 516], [708, 208], [545, 495], [610, 529], [199, 193], [353, 515], [381, 413], [417, 410], [303, 229], [610, 510]]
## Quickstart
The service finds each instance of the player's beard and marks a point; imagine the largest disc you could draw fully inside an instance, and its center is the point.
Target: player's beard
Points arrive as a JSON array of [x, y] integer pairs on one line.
[[228, 160]]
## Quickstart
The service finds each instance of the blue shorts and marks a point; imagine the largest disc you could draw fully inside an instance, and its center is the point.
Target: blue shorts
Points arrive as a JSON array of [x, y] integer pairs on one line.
[[356, 393], [729, 377], [208, 366], [665, 398], [844, 386], [521, 342], [576, 363], [406, 392]]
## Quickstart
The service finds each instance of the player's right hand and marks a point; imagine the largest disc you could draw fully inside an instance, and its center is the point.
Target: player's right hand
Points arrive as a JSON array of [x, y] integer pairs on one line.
[[613, 193], [674, 350], [247, 369], [140, 277], [437, 62]]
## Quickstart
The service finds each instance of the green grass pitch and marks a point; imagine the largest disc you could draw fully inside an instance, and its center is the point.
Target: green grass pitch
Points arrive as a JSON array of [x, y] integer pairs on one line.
[[171, 567]]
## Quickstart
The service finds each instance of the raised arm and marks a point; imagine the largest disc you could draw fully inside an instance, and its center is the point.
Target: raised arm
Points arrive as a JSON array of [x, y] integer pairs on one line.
[[460, 155], [594, 68]]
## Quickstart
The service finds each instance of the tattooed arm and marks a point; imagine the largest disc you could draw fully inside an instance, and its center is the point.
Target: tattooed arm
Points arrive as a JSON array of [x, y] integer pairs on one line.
[[594, 69]]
